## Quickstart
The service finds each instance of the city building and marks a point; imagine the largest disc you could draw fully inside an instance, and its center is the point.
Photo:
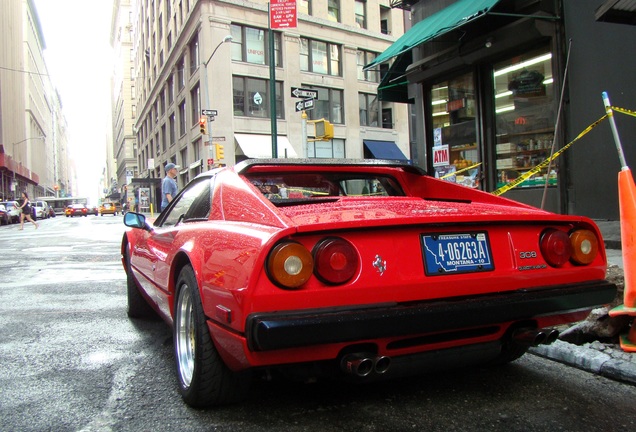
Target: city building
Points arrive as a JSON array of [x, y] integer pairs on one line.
[[497, 86], [195, 55], [122, 164], [33, 141]]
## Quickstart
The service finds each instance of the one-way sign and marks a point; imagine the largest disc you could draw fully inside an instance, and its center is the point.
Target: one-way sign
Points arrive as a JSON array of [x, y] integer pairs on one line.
[[304, 93], [304, 105], [208, 112]]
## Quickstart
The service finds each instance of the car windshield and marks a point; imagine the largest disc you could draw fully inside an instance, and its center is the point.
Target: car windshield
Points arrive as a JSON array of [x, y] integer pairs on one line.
[[292, 188]]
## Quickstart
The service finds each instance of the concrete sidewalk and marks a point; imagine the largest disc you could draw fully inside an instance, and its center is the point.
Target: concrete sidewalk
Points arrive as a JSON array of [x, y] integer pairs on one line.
[[607, 360]]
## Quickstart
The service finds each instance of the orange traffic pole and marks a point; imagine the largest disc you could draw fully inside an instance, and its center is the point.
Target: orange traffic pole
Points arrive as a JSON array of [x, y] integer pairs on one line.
[[627, 207]]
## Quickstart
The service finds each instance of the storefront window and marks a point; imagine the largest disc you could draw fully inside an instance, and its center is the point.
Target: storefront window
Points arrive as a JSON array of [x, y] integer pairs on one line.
[[455, 154], [525, 115]]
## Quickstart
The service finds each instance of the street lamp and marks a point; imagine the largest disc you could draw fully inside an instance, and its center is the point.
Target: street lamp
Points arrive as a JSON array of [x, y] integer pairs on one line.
[[226, 39], [15, 184]]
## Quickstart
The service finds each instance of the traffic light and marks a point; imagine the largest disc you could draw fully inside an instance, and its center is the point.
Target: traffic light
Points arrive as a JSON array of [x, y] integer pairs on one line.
[[202, 126], [324, 130], [220, 152]]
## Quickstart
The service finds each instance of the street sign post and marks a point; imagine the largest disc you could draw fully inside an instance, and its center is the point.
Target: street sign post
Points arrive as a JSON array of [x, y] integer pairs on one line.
[[304, 105], [282, 14], [299, 92]]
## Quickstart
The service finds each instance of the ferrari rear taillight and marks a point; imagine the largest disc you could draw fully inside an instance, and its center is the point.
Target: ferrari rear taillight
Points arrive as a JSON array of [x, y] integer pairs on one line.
[[336, 260], [584, 246], [579, 247], [290, 264], [556, 247]]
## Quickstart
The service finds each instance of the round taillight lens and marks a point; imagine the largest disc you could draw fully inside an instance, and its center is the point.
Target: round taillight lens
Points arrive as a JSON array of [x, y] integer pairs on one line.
[[336, 260], [556, 247], [584, 246], [290, 264]]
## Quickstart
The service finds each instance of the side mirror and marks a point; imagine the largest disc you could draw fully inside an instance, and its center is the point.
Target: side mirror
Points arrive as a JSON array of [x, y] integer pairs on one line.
[[136, 220]]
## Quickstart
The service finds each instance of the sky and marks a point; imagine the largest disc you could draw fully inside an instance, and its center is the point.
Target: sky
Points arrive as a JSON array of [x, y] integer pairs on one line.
[[79, 59]]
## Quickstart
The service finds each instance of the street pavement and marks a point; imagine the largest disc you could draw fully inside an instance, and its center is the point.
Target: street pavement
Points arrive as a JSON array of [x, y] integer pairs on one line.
[[608, 360]]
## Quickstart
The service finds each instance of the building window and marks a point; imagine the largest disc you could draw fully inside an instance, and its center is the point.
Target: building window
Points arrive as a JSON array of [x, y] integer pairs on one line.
[[251, 97], [333, 149], [162, 102], [364, 58], [385, 15], [369, 110], [134, 111], [195, 103], [525, 108], [172, 128], [181, 73], [304, 6], [319, 57], [182, 118], [164, 138], [194, 53], [328, 106], [453, 111], [251, 45], [387, 118], [333, 10], [170, 90], [361, 13]]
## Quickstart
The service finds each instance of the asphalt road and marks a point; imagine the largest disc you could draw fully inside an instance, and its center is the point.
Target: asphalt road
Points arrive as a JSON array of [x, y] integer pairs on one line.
[[72, 361]]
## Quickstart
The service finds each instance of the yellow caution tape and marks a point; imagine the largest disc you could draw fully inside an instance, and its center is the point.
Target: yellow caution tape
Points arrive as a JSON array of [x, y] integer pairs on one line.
[[624, 111], [460, 171], [525, 176]]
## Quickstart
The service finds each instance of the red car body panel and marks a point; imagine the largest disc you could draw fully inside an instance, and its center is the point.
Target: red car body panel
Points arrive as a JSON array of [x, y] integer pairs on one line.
[[247, 312]]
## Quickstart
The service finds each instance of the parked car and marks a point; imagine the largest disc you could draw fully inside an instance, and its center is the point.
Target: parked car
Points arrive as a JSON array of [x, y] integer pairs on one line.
[[108, 208], [366, 269], [76, 210], [41, 209], [5, 218], [13, 210]]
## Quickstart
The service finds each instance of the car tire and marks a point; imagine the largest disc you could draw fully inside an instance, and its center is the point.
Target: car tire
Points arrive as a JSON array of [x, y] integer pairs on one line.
[[204, 380], [136, 306]]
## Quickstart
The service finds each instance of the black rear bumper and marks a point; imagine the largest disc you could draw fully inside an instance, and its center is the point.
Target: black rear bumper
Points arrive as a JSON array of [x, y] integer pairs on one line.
[[279, 330]]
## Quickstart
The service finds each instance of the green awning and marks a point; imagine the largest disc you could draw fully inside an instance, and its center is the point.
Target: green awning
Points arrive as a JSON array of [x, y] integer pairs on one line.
[[393, 88], [447, 19]]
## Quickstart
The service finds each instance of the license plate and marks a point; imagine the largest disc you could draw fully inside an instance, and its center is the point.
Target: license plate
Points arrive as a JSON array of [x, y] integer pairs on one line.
[[456, 253]]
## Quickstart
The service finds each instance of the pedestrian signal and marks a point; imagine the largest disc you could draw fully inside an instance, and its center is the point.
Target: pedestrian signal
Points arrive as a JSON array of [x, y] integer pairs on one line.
[[324, 130], [202, 126]]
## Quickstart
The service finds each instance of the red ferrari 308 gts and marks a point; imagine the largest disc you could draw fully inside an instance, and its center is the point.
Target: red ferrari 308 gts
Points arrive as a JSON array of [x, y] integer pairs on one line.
[[364, 268]]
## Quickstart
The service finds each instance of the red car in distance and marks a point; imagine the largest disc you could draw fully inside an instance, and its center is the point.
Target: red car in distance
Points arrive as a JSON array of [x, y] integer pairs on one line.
[[76, 210], [364, 269]]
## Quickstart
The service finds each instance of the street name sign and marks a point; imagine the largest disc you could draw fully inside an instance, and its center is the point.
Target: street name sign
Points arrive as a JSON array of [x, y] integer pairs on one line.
[[299, 92], [304, 105]]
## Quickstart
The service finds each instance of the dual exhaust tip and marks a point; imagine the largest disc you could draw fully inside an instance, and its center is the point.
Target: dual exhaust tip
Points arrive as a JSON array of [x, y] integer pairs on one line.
[[363, 364], [535, 337]]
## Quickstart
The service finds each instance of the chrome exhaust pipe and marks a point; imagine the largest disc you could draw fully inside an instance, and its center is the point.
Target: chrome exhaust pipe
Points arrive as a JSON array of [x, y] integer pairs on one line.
[[381, 364], [357, 364], [552, 336], [529, 337]]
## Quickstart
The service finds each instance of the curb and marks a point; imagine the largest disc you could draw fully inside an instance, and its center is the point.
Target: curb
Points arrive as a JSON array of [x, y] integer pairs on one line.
[[589, 360]]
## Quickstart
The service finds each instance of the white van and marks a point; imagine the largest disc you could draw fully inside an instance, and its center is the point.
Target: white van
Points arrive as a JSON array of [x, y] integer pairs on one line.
[[41, 209]]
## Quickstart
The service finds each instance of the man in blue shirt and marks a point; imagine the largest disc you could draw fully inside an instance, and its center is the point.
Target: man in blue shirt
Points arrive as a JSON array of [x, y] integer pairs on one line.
[[169, 184]]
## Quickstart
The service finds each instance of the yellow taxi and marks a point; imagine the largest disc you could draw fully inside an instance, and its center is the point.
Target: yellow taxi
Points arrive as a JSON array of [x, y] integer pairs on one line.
[[108, 208]]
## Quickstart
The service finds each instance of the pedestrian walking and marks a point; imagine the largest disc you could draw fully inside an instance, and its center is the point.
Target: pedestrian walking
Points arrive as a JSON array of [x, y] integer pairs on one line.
[[26, 211], [169, 185]]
